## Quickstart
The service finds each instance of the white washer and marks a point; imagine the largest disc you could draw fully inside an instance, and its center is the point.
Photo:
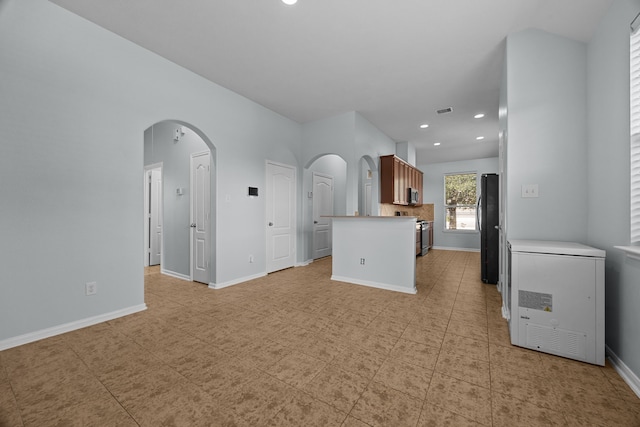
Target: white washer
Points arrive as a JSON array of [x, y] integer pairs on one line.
[[556, 293]]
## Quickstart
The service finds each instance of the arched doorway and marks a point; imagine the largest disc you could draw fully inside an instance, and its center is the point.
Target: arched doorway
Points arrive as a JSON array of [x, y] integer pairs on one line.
[[186, 160], [325, 189], [368, 187]]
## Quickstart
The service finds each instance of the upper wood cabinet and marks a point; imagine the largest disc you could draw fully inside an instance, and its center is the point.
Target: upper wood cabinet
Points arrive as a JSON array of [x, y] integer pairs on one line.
[[396, 177]]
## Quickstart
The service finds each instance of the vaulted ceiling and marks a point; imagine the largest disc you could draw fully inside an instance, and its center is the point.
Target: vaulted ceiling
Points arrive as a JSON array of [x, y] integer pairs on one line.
[[394, 61]]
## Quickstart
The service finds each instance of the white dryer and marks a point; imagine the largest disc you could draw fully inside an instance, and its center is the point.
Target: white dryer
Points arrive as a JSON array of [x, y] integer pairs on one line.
[[556, 292]]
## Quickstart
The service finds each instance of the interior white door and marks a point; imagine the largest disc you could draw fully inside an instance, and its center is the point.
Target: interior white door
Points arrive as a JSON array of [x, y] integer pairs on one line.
[[322, 205], [281, 216], [155, 216], [200, 216]]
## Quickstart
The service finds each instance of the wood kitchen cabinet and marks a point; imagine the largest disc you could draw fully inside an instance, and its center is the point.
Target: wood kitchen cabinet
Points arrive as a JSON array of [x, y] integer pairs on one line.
[[396, 177]]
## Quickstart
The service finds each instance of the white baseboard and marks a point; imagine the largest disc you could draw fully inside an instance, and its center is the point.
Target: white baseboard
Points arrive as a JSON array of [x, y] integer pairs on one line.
[[176, 275], [384, 286], [448, 248], [235, 281], [304, 263], [627, 374], [68, 327]]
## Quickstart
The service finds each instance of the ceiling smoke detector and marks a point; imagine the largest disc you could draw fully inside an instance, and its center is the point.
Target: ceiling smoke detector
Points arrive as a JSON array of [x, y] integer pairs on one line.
[[445, 110]]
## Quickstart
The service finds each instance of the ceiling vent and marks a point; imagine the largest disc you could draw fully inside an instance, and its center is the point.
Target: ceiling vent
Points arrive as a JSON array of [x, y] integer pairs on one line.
[[444, 110]]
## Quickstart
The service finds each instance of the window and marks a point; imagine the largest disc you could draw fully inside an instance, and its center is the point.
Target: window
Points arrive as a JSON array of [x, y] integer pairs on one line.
[[634, 56], [460, 201]]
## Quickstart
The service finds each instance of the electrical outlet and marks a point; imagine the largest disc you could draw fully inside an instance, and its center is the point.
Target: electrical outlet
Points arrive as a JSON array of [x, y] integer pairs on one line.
[[361, 261], [91, 288], [250, 258], [530, 190]]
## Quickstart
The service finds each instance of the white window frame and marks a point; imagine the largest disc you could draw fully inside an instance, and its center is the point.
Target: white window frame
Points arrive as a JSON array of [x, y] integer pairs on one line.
[[446, 206], [634, 115], [633, 251]]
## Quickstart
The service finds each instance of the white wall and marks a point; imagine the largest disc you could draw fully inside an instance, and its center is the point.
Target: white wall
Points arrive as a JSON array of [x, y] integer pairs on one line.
[[350, 136], [608, 177], [568, 118], [547, 119], [371, 143], [407, 152], [375, 251], [333, 135], [77, 99], [433, 192]]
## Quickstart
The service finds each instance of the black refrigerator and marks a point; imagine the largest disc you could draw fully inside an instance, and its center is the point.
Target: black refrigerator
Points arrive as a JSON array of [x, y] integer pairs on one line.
[[488, 213]]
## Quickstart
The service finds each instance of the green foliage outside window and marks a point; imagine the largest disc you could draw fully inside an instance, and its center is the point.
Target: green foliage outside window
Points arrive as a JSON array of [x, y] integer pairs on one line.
[[460, 201]]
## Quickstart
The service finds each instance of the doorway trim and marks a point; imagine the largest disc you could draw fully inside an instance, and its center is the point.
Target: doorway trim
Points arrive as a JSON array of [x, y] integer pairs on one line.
[[213, 249], [145, 186]]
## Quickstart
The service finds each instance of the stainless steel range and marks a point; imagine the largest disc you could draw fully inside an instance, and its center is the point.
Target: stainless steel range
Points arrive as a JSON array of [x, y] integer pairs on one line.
[[422, 237]]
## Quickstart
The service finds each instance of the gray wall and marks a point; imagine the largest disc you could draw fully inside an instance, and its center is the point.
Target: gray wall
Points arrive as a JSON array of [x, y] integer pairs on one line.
[[547, 122], [608, 177], [433, 192], [350, 136], [370, 144], [159, 146], [568, 127], [77, 100]]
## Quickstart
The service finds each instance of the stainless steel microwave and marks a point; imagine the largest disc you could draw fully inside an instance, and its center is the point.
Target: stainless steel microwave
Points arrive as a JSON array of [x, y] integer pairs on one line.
[[413, 196]]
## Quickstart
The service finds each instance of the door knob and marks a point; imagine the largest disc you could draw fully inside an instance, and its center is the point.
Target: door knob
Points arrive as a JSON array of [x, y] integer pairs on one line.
[[193, 225], [270, 224], [315, 222]]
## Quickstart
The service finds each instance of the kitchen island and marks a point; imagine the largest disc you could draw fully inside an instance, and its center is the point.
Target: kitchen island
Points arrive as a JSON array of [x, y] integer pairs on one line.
[[376, 251]]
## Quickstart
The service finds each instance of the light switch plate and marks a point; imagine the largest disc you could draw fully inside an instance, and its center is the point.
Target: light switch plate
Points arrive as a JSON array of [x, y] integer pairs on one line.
[[91, 288], [530, 190]]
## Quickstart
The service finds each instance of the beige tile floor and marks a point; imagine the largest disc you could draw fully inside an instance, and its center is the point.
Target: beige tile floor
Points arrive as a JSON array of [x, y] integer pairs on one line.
[[296, 349]]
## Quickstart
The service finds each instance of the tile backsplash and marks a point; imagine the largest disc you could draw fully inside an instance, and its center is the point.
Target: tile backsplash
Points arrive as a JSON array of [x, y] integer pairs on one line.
[[422, 212]]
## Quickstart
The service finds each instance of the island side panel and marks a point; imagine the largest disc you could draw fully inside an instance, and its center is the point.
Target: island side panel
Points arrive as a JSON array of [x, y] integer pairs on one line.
[[387, 246]]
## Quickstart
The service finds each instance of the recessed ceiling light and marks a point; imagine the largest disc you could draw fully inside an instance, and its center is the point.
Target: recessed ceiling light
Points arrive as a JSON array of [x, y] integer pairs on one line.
[[478, 116], [289, 2], [424, 126], [436, 143], [479, 138]]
